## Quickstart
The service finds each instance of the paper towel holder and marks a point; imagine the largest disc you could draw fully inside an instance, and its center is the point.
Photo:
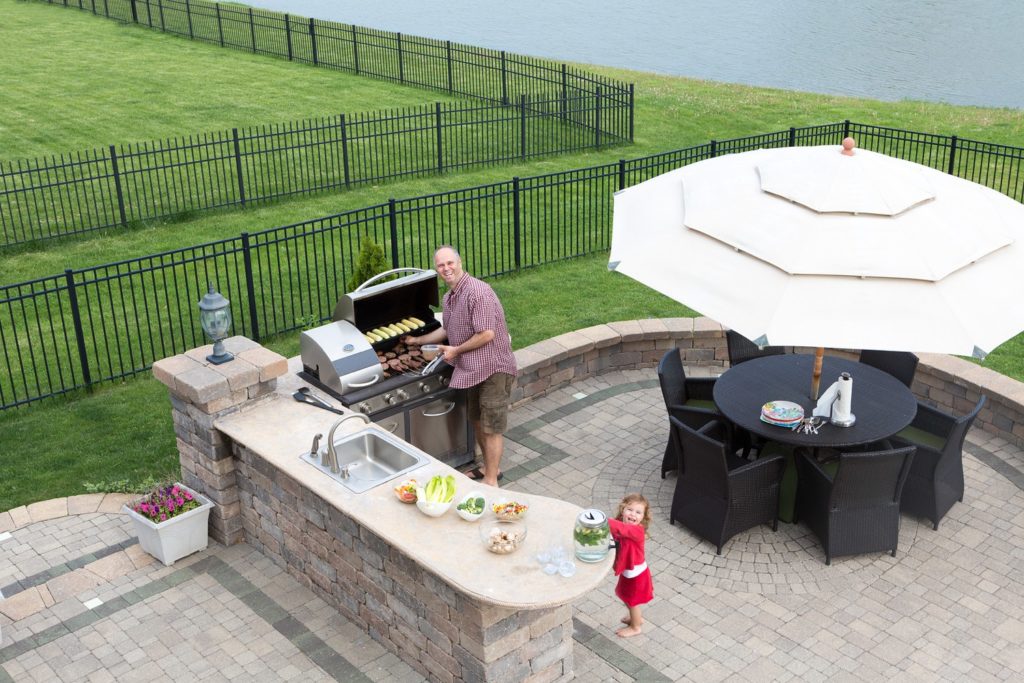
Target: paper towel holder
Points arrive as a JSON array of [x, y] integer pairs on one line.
[[838, 420]]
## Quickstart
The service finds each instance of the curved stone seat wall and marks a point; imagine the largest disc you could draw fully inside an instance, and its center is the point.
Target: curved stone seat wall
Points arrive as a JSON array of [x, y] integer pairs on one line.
[[947, 382]]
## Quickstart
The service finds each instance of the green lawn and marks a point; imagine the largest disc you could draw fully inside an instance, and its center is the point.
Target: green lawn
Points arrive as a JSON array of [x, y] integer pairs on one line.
[[73, 81]]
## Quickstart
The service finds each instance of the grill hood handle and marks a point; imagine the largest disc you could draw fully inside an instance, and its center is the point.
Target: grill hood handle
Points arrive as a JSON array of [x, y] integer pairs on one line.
[[388, 273]]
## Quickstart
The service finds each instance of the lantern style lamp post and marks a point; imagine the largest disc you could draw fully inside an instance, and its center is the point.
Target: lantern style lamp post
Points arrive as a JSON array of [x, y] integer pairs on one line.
[[215, 319]]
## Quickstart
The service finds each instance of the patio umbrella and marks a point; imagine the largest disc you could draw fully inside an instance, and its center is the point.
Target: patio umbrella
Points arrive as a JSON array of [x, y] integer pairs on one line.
[[810, 246]]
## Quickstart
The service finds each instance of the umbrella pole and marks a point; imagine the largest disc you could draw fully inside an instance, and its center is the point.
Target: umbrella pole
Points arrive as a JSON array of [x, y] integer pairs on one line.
[[819, 354]]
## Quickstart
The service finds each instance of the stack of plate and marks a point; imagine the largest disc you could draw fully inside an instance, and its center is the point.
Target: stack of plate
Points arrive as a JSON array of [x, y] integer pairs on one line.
[[782, 413]]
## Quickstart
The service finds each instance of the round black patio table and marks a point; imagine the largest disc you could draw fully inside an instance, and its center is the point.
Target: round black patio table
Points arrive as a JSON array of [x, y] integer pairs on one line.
[[881, 403]]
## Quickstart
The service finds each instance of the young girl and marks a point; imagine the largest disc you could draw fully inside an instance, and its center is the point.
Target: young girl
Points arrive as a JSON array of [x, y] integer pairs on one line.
[[634, 587]]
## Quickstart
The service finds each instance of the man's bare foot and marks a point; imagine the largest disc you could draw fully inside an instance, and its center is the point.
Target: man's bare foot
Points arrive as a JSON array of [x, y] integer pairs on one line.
[[628, 632]]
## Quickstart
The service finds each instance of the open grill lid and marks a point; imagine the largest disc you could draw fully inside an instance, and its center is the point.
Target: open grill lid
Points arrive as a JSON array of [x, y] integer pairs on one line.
[[370, 306]]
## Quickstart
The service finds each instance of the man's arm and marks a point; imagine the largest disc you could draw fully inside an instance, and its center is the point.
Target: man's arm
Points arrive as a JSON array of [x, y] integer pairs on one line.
[[435, 337], [481, 338]]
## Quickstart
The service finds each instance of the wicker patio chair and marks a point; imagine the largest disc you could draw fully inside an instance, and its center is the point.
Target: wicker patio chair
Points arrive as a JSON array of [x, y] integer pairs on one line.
[[852, 503], [688, 398], [936, 480], [742, 349], [718, 494], [900, 364]]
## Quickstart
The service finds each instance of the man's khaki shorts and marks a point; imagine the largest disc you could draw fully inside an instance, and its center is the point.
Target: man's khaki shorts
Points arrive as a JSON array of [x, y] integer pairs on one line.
[[488, 402]]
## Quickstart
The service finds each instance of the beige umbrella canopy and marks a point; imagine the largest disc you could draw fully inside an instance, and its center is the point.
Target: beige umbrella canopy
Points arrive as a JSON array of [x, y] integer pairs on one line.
[[891, 255]]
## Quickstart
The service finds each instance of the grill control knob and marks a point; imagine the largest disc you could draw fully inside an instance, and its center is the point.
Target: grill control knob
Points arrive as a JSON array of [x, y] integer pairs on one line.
[[390, 399], [424, 387], [401, 395], [363, 407], [443, 380]]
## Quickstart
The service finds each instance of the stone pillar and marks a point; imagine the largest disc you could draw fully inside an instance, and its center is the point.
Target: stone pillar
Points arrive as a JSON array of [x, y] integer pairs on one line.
[[202, 392]]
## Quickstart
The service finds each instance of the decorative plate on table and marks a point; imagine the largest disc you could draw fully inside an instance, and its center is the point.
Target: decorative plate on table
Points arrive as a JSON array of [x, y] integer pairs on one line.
[[782, 413]]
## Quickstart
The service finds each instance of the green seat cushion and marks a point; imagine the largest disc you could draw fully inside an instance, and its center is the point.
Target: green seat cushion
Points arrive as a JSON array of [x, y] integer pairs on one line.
[[831, 467], [787, 489], [922, 438], [700, 403]]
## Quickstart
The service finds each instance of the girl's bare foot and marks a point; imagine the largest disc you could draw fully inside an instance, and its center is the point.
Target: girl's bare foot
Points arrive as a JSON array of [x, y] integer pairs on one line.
[[628, 632], [626, 620]]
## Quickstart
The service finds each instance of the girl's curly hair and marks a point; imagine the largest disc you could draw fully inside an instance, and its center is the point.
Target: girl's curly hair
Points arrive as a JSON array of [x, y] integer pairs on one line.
[[635, 498]]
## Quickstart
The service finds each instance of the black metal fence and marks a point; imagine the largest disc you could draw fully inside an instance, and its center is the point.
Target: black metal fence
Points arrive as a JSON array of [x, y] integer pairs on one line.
[[530, 107], [70, 331]]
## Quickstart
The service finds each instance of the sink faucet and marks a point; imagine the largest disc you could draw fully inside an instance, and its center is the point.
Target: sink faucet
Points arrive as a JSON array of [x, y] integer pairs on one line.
[[331, 456]]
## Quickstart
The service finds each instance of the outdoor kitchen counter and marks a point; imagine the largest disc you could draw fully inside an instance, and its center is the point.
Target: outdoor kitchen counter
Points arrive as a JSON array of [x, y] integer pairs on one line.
[[280, 429]]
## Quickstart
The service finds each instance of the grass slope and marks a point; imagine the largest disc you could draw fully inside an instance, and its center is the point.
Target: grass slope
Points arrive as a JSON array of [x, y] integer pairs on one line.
[[72, 81]]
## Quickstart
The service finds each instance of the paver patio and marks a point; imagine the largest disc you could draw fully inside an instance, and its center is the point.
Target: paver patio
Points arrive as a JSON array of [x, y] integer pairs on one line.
[[83, 603]]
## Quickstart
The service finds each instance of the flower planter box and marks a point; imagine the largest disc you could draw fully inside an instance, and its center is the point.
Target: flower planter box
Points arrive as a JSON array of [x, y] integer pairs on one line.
[[176, 537]]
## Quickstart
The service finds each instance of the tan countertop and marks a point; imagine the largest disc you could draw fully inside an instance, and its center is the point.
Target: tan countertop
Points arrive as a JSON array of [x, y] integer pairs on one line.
[[280, 429]]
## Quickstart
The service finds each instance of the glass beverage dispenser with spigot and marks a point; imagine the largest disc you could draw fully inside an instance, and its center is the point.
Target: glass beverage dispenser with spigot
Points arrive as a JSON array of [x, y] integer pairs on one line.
[[591, 536]]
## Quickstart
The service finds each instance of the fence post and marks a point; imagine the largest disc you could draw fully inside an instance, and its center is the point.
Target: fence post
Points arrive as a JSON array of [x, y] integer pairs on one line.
[[846, 128], [106, 9], [448, 58], [401, 64], [117, 185], [792, 136], [622, 174], [160, 6], [250, 288], [252, 29], [188, 14], [355, 48], [565, 93], [504, 80], [522, 126], [393, 221], [76, 317], [220, 24], [597, 119], [288, 34], [516, 223], [238, 165], [135, 13], [344, 148], [952, 155], [714, 148], [312, 41], [631, 102], [440, 154]]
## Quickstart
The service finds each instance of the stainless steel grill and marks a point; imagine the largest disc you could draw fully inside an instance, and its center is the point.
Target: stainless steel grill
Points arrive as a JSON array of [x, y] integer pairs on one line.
[[343, 361]]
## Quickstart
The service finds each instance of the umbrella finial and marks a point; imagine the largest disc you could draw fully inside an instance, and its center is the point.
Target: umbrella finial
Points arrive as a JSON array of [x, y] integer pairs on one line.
[[848, 145]]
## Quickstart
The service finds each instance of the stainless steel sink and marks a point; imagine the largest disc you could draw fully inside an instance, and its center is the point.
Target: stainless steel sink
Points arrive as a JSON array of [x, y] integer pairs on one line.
[[368, 458]]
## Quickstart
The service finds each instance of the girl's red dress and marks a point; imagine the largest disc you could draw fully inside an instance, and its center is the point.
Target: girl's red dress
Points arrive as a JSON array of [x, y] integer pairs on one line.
[[628, 557]]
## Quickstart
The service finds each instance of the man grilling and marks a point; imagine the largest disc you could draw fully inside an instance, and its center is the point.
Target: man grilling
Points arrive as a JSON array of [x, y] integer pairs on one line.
[[480, 349]]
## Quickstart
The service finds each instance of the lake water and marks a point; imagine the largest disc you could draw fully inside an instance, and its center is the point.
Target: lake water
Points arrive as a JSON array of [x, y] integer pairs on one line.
[[956, 51]]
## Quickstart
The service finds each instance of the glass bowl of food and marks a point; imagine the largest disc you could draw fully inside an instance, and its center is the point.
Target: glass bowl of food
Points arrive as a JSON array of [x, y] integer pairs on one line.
[[509, 510], [502, 537]]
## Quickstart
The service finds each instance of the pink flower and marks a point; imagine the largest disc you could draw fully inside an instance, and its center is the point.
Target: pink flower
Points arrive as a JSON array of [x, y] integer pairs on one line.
[[181, 501], [163, 517]]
